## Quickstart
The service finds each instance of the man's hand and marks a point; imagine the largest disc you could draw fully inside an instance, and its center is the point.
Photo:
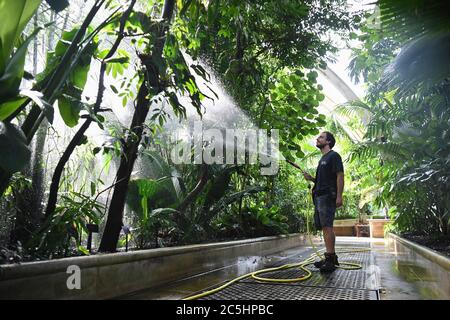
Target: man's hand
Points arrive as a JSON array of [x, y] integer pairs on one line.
[[339, 202], [308, 176]]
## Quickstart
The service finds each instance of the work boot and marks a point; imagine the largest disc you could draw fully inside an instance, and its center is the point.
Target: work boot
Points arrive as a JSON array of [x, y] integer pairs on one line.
[[329, 265], [319, 264]]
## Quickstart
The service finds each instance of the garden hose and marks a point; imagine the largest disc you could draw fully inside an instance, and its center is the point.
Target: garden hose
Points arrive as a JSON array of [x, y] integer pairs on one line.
[[301, 265]]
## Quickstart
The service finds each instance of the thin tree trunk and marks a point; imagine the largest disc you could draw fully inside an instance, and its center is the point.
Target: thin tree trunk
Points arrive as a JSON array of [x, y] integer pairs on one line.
[[51, 31], [37, 165], [130, 148], [151, 81], [66, 18]]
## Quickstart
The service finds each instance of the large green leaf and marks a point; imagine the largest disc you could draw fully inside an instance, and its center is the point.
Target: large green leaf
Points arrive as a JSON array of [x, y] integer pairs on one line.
[[14, 150], [78, 76], [9, 106], [13, 73], [167, 212], [14, 15], [145, 195], [160, 169], [69, 108]]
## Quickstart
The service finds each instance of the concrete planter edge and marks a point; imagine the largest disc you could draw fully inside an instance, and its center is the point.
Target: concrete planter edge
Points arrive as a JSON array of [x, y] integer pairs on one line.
[[427, 253]]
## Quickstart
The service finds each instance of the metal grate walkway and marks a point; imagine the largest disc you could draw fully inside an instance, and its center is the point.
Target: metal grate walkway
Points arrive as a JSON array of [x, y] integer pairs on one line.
[[339, 285]]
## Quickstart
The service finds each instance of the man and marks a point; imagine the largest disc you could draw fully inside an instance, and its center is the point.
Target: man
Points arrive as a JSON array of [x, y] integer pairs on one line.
[[327, 195]]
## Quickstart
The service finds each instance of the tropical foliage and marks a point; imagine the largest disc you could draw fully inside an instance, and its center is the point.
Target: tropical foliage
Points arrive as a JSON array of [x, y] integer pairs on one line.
[[407, 110], [123, 74]]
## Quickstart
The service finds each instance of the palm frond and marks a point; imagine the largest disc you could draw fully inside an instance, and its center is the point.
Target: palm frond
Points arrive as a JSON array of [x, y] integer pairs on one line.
[[386, 150], [376, 130], [356, 108], [412, 19], [339, 127]]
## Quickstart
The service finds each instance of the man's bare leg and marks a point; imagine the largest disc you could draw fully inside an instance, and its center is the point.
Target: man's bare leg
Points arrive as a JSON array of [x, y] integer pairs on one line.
[[329, 238]]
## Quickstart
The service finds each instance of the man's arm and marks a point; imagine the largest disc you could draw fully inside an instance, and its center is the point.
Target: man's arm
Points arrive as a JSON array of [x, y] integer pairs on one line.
[[340, 188]]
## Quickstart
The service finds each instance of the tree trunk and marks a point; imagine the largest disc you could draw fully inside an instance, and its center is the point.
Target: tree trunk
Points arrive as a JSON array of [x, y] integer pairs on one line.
[[37, 168], [54, 186], [115, 212], [151, 81]]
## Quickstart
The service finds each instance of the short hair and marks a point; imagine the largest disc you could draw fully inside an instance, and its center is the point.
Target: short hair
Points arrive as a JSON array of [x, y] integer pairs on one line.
[[330, 138]]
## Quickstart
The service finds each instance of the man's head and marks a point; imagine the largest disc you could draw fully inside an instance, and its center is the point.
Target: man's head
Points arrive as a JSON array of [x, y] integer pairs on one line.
[[324, 139]]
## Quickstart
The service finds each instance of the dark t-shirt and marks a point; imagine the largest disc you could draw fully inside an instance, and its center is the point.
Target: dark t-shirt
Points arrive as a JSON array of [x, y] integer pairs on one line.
[[326, 174]]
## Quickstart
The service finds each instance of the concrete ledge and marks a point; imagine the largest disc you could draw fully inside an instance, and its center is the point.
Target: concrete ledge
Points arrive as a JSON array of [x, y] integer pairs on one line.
[[106, 276], [345, 223], [427, 253]]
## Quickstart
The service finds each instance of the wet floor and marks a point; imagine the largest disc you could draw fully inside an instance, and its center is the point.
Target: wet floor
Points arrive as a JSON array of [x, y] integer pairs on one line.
[[406, 275], [398, 273]]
